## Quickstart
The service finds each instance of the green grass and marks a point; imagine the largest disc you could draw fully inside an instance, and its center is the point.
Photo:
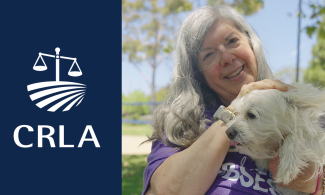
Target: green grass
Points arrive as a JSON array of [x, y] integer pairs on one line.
[[132, 174], [134, 165], [136, 129]]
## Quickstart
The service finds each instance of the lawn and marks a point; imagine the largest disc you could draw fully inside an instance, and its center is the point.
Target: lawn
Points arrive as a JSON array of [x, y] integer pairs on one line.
[[136, 129], [134, 165], [132, 174]]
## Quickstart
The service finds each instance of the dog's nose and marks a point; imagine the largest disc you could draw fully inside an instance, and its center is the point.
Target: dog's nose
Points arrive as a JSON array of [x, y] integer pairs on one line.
[[231, 133]]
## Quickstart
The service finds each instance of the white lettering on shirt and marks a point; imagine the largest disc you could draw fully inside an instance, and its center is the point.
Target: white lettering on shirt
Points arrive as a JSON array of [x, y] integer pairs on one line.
[[230, 171], [269, 181], [257, 184]]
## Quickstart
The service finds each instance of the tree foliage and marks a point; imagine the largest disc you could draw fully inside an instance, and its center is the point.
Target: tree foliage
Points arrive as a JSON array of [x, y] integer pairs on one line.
[[317, 16], [149, 32], [161, 94], [245, 7], [315, 73], [135, 111]]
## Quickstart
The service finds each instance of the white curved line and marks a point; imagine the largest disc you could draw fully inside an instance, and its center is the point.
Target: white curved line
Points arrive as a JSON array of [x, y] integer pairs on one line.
[[80, 101], [49, 84], [53, 98], [58, 105], [72, 103], [50, 91]]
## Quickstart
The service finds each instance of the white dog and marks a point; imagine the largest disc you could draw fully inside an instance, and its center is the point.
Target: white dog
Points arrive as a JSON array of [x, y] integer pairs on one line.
[[272, 123]]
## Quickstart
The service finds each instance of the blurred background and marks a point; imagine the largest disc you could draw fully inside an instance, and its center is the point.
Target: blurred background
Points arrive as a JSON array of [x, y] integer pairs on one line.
[[292, 33]]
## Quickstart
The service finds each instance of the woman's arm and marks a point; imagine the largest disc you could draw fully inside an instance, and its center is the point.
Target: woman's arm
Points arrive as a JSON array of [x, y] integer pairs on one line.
[[193, 170], [302, 182]]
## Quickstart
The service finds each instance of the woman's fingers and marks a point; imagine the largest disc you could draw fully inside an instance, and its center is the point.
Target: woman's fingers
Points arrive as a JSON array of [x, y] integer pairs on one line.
[[276, 84], [264, 84]]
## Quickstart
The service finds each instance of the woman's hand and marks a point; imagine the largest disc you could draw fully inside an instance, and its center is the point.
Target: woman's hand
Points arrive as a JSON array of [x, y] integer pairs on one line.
[[300, 183], [264, 84]]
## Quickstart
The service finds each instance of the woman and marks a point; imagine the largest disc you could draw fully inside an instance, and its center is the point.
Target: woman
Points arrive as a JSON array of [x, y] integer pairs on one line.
[[218, 58]]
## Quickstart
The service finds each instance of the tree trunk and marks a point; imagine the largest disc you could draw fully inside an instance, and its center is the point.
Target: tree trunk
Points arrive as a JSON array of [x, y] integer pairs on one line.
[[153, 90]]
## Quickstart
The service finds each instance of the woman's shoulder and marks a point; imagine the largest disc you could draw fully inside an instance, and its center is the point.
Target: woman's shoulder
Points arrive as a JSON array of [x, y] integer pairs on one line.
[[160, 151]]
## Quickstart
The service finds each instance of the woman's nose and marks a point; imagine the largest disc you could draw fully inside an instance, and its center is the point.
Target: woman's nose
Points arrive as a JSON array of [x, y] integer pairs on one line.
[[227, 58]]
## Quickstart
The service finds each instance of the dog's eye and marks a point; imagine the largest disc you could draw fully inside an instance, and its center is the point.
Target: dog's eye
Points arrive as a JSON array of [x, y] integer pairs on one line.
[[251, 115]]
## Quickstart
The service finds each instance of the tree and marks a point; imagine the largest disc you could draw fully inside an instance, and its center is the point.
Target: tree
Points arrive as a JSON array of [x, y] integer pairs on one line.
[[317, 16], [315, 73], [149, 31], [161, 94], [135, 111], [245, 7]]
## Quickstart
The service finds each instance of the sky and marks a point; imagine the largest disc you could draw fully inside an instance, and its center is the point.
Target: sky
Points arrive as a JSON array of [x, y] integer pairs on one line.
[[277, 26]]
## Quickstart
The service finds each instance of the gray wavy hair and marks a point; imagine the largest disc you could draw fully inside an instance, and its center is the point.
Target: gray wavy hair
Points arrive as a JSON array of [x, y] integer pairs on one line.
[[181, 118]]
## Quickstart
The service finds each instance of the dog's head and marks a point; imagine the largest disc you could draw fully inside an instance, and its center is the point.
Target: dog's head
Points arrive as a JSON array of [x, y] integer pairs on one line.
[[264, 118]]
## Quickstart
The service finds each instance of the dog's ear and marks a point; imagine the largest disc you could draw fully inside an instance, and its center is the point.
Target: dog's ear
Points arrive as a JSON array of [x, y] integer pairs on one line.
[[306, 96], [307, 109], [295, 155]]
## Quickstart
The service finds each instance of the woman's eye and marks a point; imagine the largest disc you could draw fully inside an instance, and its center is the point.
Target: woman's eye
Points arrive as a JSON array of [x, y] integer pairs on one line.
[[233, 40], [251, 115], [208, 55]]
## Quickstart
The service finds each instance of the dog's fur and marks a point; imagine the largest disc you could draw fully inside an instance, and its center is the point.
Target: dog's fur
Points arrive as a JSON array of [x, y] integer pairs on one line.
[[272, 123]]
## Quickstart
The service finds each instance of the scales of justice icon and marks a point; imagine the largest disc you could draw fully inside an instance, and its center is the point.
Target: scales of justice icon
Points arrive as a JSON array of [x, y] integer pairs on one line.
[[55, 94]]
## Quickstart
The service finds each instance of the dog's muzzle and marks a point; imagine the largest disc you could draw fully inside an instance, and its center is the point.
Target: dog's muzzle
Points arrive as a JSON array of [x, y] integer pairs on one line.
[[231, 133]]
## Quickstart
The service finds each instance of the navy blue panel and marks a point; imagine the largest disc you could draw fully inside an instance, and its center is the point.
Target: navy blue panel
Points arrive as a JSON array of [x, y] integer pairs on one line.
[[91, 32]]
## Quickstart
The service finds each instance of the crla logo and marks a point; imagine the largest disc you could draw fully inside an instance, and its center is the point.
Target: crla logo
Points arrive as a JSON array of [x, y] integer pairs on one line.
[[56, 94]]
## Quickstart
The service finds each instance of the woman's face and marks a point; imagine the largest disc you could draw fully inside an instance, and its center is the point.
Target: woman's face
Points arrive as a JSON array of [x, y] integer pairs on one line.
[[227, 61]]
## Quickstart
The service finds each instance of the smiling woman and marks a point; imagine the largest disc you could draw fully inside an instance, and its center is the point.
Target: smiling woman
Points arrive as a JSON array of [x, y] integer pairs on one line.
[[226, 60], [218, 58]]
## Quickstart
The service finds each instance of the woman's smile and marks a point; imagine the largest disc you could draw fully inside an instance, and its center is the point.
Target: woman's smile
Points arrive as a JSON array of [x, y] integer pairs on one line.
[[235, 73]]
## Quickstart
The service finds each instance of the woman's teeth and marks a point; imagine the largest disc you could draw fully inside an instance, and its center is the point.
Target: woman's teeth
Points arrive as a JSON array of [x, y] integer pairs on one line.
[[235, 73]]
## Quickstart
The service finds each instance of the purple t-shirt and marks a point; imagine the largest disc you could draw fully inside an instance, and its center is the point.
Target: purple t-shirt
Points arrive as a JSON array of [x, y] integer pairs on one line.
[[238, 174]]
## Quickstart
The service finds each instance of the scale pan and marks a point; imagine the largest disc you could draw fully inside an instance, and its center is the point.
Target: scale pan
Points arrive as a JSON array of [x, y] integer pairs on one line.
[[40, 68], [74, 73]]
